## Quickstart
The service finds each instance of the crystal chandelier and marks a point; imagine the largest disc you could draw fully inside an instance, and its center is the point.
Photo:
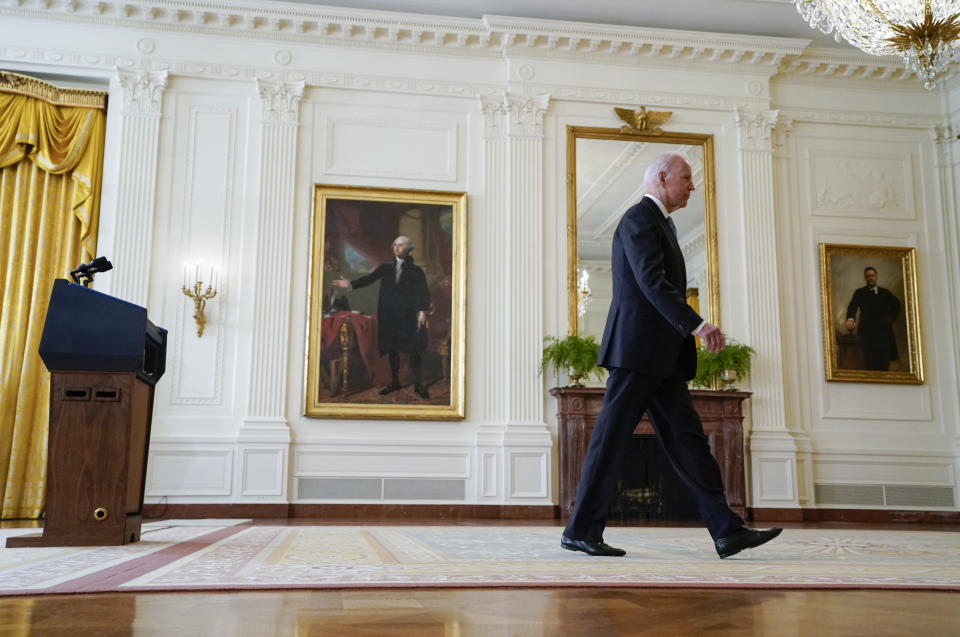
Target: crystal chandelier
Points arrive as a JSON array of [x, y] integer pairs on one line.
[[923, 32]]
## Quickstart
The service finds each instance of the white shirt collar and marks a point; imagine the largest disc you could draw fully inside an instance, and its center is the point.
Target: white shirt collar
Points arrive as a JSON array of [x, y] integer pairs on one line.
[[663, 209]]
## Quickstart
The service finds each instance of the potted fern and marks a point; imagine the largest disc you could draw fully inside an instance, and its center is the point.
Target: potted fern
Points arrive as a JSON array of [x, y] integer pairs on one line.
[[727, 366], [574, 354]]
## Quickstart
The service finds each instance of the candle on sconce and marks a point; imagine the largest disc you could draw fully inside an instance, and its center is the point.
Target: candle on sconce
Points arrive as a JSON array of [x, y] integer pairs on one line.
[[197, 291]]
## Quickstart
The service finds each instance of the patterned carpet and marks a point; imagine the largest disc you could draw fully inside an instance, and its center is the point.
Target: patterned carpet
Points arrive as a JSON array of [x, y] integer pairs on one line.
[[178, 555]]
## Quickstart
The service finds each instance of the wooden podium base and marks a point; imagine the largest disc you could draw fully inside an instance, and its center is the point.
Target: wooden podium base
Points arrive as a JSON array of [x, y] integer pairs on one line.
[[110, 536], [96, 460]]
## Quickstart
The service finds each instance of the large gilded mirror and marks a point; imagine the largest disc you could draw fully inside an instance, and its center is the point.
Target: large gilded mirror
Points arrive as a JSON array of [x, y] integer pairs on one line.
[[605, 169]]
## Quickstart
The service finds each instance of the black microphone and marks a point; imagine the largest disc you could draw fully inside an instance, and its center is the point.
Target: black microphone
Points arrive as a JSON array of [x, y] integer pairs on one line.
[[100, 264], [87, 270]]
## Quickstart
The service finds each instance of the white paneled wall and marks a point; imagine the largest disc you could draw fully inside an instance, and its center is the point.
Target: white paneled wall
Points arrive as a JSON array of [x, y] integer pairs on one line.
[[220, 125]]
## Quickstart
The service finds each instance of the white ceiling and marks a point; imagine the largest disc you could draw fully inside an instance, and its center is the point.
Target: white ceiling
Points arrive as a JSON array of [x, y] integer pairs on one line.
[[751, 17]]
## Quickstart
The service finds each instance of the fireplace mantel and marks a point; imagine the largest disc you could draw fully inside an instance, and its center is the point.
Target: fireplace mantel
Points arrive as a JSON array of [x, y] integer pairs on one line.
[[720, 411]]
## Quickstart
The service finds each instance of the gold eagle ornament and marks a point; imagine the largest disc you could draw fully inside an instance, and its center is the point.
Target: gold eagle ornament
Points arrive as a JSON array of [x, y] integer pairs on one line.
[[642, 122]]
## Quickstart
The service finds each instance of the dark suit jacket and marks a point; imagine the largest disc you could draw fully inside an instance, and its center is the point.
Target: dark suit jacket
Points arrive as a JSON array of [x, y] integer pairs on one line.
[[397, 306], [877, 313], [649, 322]]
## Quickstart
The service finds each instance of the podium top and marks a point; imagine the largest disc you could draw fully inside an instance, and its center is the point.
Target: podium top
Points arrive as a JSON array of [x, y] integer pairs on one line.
[[86, 330]]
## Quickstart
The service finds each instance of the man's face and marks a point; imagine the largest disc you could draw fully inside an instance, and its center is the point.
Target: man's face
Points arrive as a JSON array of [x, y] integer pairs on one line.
[[870, 276], [677, 185], [400, 248]]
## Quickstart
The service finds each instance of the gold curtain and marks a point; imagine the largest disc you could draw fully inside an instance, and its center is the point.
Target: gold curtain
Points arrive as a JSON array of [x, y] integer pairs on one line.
[[51, 157]]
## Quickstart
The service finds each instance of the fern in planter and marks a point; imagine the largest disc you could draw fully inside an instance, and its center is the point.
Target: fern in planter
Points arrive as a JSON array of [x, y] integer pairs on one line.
[[710, 367], [574, 354]]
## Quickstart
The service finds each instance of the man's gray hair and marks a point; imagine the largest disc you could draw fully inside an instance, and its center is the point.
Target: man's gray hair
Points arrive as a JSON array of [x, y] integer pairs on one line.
[[406, 240], [661, 163]]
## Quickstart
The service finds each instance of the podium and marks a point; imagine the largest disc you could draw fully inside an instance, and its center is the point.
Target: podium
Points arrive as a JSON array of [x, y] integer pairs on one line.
[[104, 358]]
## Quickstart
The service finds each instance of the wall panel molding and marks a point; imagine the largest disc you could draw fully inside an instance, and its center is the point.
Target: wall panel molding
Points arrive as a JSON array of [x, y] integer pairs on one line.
[[434, 158], [208, 195], [197, 470]]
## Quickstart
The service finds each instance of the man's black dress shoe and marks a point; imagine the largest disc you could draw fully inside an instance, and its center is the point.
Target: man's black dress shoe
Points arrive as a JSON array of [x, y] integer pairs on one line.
[[745, 538], [389, 388], [421, 391], [591, 548]]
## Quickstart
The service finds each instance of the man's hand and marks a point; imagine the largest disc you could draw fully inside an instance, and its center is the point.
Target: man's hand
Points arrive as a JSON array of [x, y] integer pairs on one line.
[[341, 282], [851, 324], [421, 319], [712, 338]]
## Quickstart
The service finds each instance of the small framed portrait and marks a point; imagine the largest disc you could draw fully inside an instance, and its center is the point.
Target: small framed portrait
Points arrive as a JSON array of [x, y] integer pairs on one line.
[[386, 326], [871, 325]]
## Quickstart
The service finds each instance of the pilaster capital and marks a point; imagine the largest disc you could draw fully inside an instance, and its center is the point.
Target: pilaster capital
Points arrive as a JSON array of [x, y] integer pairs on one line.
[[942, 138], [525, 114], [281, 101], [142, 90], [756, 128], [494, 115]]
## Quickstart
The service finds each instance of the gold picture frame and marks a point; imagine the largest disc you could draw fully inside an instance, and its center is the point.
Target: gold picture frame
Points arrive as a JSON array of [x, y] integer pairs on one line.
[[637, 148], [370, 353], [875, 338]]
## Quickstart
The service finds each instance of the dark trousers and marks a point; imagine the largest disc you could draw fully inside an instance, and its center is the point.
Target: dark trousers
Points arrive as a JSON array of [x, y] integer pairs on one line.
[[394, 358], [680, 433], [876, 352]]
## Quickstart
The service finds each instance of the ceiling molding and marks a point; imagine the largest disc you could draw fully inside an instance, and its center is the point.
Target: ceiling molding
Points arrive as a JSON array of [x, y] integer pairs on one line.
[[490, 35], [843, 64]]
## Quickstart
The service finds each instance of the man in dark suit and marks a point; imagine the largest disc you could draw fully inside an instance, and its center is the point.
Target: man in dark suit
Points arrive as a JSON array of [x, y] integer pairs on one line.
[[648, 349], [402, 307], [878, 308]]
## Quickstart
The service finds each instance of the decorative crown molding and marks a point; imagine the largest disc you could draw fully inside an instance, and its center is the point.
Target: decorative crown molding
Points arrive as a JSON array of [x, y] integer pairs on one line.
[[609, 42], [845, 65], [490, 35]]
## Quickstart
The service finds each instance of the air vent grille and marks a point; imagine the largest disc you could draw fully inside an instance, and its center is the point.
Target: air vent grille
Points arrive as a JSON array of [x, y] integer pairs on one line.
[[892, 495], [379, 489]]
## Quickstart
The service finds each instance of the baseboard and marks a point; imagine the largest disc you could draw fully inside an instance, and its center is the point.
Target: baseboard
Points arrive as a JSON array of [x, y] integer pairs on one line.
[[357, 511], [853, 515], [507, 512]]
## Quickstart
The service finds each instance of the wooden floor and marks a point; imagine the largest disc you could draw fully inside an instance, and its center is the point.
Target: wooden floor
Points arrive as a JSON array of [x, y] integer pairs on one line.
[[496, 611], [485, 612]]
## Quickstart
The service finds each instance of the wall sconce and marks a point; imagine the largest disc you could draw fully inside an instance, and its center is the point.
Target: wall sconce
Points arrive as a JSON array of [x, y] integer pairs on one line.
[[583, 292], [193, 287]]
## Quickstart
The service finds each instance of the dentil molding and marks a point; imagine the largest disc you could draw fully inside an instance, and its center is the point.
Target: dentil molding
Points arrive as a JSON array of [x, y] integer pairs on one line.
[[488, 36], [845, 64]]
